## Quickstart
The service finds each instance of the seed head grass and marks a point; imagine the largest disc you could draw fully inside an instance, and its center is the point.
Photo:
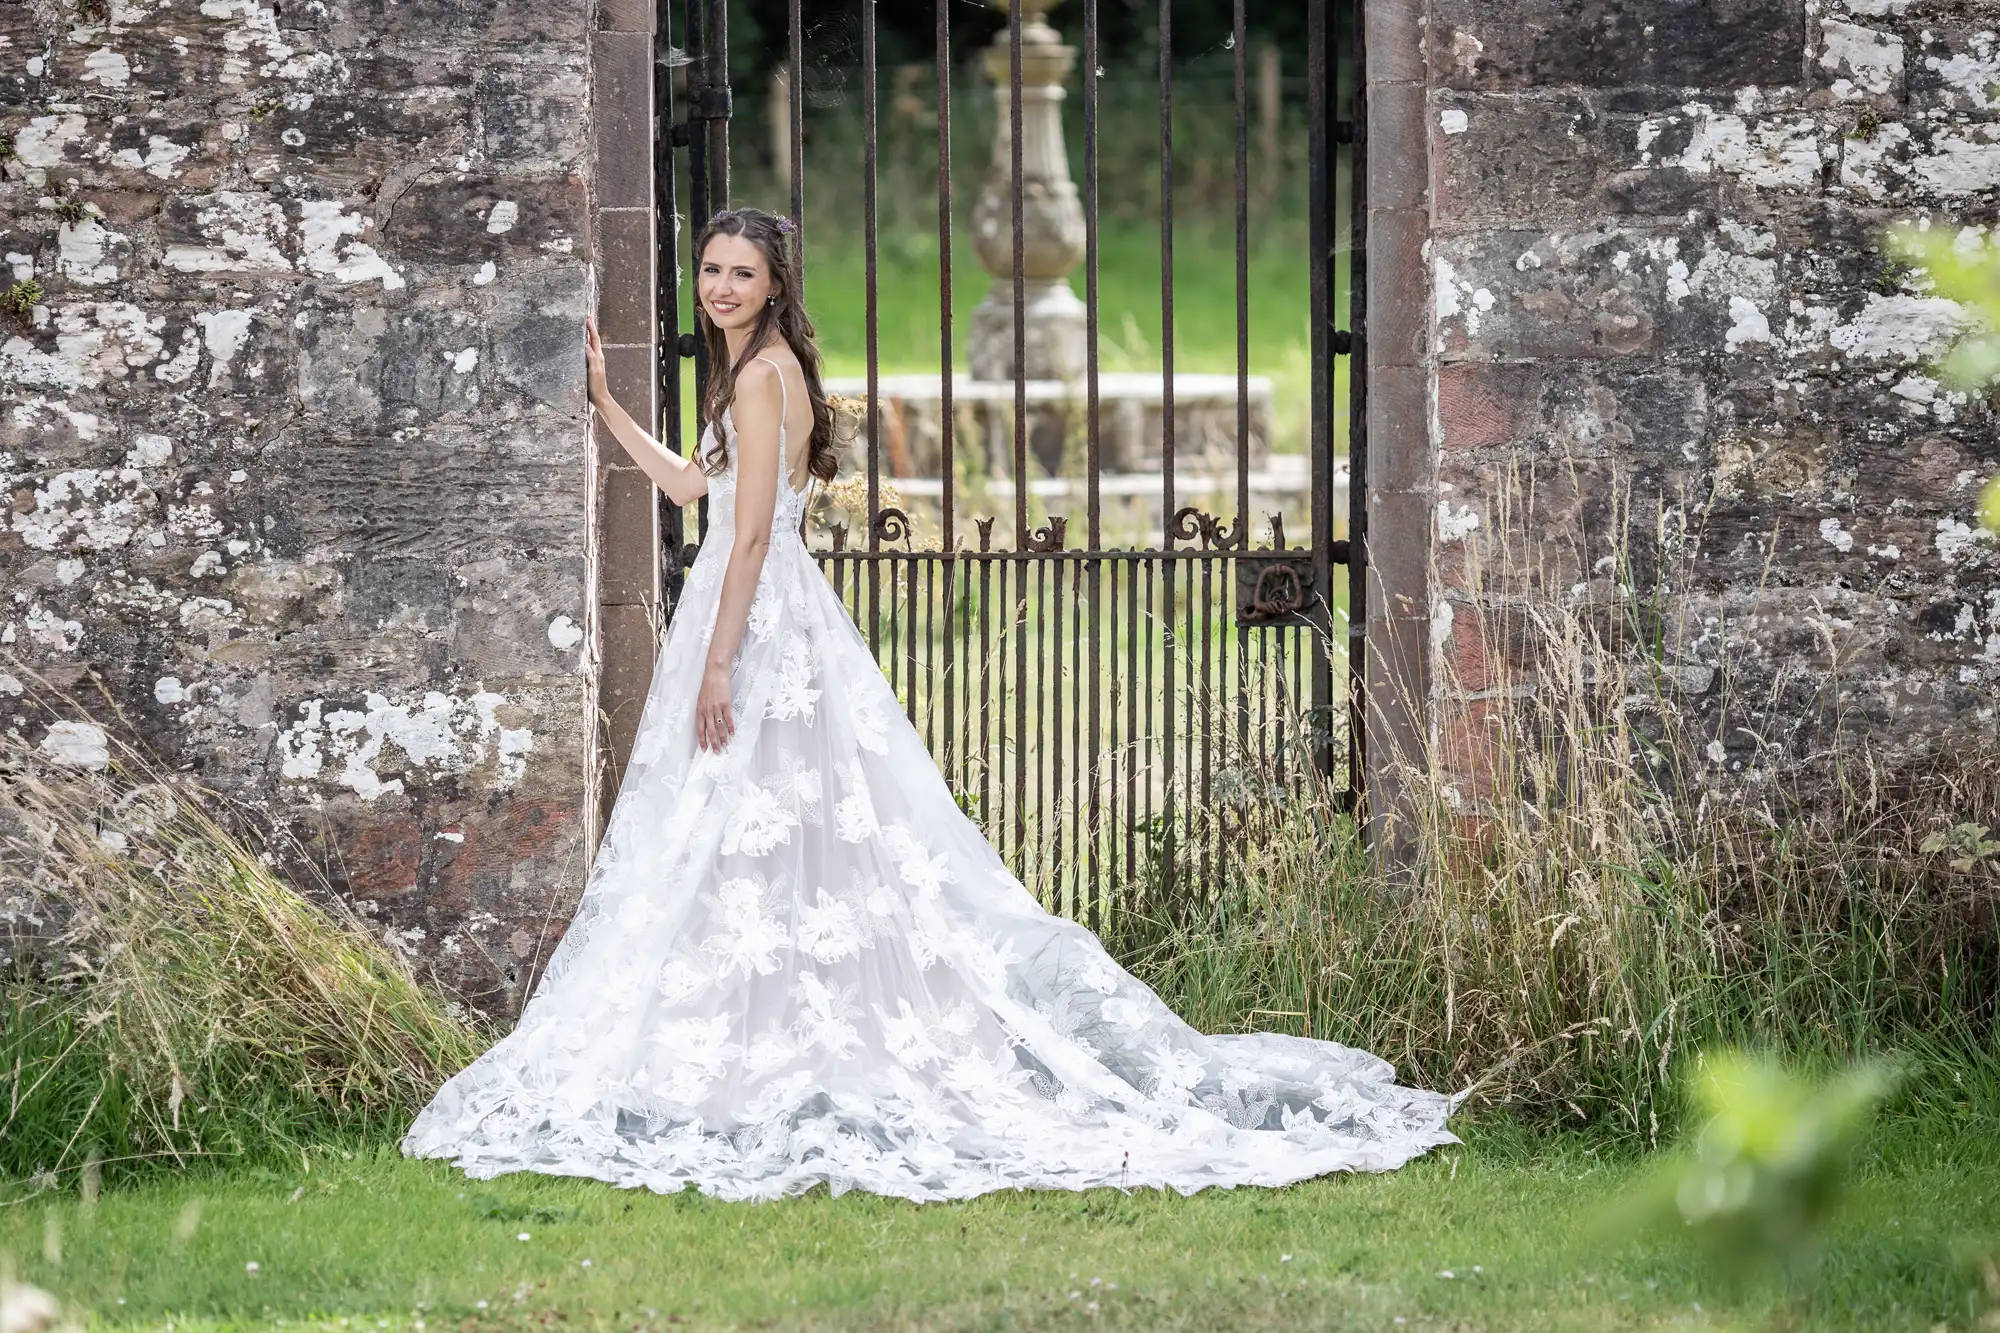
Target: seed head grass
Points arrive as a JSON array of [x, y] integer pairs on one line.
[[169, 996], [1563, 896]]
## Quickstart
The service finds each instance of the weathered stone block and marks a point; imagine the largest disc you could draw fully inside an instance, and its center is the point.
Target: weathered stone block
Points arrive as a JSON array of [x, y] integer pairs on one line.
[[1567, 295], [625, 15], [1399, 396], [1954, 66], [486, 26], [1943, 162], [1507, 160], [527, 117], [628, 644], [144, 154], [621, 81], [1397, 244], [1860, 60], [375, 496], [342, 139], [628, 505], [1517, 44], [1486, 403], [1398, 559], [628, 249], [498, 219]]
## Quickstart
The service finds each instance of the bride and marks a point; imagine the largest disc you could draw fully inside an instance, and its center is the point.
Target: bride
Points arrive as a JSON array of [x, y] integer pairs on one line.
[[795, 960]]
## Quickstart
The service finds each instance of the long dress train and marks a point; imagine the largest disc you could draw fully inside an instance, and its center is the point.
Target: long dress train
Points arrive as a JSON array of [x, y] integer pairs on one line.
[[796, 961]]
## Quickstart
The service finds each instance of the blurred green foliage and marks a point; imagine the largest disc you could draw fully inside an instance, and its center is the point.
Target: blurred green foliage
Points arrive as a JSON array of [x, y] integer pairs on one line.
[[1965, 267], [1770, 1161]]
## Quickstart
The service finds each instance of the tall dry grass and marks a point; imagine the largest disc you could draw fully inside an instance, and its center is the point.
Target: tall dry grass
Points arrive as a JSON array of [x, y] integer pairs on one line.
[[167, 997], [1585, 898]]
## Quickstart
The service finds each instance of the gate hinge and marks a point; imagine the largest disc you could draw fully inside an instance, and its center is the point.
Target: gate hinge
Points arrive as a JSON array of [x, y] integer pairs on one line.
[[1342, 342], [677, 134], [1343, 131]]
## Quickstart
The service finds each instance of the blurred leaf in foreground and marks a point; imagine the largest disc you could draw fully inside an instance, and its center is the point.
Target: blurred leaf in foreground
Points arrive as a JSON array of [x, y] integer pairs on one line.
[[1770, 1161], [1965, 267]]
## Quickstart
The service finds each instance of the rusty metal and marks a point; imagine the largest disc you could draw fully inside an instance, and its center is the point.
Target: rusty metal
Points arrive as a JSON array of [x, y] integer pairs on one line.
[[667, 310], [1169, 867], [947, 420], [1096, 709], [1190, 523], [871, 316], [1354, 133], [694, 133], [1053, 537], [889, 525], [795, 94], [1279, 591]]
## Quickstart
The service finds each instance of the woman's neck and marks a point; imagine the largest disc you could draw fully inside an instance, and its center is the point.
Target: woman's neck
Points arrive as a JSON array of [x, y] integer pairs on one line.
[[736, 340]]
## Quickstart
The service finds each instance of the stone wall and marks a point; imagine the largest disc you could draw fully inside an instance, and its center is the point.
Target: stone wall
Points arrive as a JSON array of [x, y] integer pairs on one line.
[[1673, 373], [294, 440]]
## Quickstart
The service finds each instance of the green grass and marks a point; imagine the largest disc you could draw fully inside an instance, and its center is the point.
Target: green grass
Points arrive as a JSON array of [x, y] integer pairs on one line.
[[371, 1240]]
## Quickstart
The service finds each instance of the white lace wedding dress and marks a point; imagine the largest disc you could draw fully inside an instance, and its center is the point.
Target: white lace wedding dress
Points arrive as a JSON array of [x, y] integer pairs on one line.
[[797, 962]]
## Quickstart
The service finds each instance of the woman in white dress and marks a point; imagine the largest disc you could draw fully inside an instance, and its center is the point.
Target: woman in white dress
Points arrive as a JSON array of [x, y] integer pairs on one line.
[[795, 960]]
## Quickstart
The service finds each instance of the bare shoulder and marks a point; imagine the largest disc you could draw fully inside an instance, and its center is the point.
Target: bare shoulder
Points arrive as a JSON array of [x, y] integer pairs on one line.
[[758, 383], [757, 404]]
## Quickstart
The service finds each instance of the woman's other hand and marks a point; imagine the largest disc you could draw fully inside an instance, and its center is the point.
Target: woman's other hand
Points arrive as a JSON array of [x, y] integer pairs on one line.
[[714, 721]]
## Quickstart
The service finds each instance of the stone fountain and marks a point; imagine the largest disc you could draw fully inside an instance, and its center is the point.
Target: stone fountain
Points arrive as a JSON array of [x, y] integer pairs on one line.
[[1131, 404]]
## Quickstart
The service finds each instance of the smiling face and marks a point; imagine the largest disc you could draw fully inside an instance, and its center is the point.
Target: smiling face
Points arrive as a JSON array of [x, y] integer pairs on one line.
[[734, 283]]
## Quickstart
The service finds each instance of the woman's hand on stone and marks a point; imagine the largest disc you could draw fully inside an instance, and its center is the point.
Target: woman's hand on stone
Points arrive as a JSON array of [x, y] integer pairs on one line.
[[593, 360]]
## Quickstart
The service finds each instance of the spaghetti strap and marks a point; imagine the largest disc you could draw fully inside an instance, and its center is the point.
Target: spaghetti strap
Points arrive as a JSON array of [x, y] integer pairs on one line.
[[784, 414]]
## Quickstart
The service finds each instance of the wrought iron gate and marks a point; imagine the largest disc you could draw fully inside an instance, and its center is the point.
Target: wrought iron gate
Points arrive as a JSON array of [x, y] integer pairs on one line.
[[1100, 711]]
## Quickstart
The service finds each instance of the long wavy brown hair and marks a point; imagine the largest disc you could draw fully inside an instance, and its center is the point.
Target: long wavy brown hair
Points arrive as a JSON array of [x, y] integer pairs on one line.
[[784, 317]]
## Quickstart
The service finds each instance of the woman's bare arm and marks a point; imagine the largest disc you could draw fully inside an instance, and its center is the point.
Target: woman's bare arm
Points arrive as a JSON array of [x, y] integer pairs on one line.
[[681, 479], [757, 415]]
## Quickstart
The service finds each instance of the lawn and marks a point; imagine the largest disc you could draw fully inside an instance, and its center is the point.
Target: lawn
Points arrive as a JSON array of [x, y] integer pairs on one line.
[[1501, 1234]]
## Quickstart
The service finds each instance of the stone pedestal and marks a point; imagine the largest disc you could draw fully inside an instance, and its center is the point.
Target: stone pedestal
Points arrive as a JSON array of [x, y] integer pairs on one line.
[[1055, 319], [1051, 216]]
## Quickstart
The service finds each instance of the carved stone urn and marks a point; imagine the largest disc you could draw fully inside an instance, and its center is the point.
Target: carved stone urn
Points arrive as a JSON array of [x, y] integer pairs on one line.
[[1051, 215]]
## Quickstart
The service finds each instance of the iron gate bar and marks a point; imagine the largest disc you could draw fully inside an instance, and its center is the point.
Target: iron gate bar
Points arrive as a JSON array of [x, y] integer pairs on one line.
[[947, 424], [1238, 40], [1018, 244], [1358, 556], [1322, 93], [1093, 456], [795, 131], [1017, 241], [692, 25], [715, 106], [870, 316], [1167, 441], [666, 306]]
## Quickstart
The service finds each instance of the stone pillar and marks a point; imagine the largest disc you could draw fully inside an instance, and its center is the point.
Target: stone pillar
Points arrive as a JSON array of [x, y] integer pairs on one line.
[[1401, 469], [627, 507], [1051, 216]]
